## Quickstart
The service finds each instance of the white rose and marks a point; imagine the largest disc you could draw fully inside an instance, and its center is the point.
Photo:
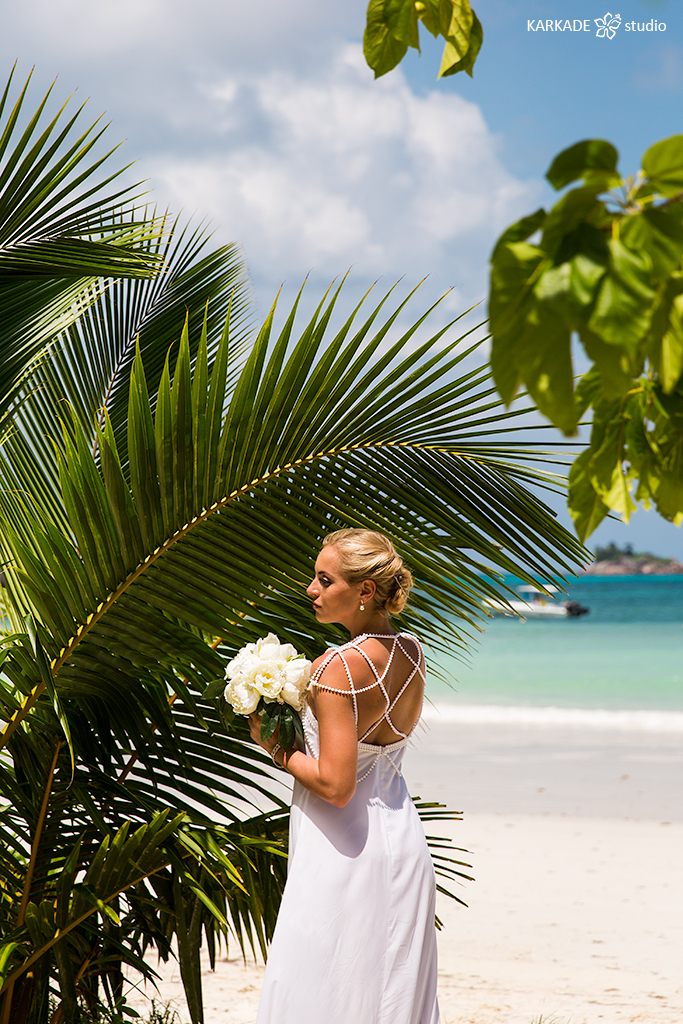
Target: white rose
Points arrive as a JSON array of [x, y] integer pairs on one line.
[[242, 697], [297, 677], [267, 677]]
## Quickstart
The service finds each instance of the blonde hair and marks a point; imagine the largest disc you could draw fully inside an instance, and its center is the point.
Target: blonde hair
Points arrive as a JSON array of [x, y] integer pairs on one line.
[[367, 555]]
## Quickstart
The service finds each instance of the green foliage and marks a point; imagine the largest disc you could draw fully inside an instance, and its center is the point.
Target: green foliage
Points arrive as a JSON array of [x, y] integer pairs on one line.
[[393, 25], [61, 230], [612, 552], [604, 264]]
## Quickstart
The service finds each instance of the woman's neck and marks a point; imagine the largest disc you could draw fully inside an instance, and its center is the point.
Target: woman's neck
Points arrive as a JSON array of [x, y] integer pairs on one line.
[[378, 623]]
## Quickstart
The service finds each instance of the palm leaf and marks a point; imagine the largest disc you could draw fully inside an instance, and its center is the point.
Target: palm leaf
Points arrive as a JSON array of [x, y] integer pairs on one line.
[[61, 227]]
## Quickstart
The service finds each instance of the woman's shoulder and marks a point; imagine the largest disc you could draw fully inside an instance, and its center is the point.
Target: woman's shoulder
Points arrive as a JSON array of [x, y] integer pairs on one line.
[[339, 666]]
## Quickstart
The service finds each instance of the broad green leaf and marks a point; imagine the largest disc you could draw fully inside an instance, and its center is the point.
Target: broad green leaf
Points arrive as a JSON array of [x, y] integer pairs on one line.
[[623, 310], [435, 15], [671, 357], [659, 233], [382, 50], [392, 26], [214, 689], [515, 268], [571, 212], [669, 495], [585, 275], [588, 391], [586, 506], [460, 25], [287, 734], [545, 365], [400, 17], [455, 58], [614, 366], [591, 155], [270, 719], [521, 230], [663, 165], [618, 496]]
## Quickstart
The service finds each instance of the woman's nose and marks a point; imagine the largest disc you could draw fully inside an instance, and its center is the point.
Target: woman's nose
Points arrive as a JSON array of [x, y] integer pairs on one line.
[[311, 588]]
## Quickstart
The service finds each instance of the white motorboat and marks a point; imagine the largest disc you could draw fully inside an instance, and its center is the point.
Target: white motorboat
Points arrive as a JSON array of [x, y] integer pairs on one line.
[[536, 604]]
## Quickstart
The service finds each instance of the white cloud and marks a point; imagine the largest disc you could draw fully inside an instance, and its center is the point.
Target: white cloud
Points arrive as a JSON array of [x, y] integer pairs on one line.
[[261, 117], [318, 173]]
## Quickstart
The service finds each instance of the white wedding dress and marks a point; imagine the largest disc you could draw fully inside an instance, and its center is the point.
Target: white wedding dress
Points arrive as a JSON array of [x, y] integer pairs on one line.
[[355, 941]]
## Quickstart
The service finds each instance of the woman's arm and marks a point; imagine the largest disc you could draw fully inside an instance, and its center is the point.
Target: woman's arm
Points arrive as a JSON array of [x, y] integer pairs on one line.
[[333, 775]]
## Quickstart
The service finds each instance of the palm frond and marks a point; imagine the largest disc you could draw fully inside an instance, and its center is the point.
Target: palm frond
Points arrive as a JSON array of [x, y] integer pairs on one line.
[[85, 369], [61, 227]]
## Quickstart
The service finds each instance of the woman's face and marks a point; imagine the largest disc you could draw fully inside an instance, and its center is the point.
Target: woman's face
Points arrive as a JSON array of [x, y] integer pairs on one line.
[[334, 600]]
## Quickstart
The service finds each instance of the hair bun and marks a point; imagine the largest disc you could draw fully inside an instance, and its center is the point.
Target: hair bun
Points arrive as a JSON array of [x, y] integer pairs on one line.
[[368, 555]]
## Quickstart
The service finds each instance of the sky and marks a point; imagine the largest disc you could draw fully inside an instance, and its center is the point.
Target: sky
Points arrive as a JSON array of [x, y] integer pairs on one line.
[[263, 117]]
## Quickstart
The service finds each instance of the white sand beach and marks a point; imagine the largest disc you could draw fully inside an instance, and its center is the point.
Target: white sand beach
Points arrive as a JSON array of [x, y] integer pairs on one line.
[[575, 836]]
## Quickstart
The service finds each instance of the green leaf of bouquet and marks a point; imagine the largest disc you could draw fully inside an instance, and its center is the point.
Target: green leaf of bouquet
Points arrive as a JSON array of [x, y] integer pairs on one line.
[[270, 719], [583, 157], [287, 734], [215, 688], [663, 165]]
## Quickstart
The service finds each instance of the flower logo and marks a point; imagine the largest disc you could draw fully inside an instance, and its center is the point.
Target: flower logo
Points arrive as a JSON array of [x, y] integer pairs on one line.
[[608, 25]]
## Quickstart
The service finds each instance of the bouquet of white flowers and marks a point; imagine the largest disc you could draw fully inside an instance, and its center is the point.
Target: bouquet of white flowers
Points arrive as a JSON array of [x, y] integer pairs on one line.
[[271, 678]]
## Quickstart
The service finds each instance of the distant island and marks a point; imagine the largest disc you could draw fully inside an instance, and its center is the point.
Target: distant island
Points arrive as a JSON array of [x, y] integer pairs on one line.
[[612, 561]]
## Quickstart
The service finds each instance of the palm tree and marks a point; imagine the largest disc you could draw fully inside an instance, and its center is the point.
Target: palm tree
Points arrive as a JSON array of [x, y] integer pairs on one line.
[[166, 482]]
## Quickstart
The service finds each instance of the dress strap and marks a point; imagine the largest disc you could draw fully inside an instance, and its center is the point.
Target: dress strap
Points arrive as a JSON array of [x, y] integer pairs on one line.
[[353, 691]]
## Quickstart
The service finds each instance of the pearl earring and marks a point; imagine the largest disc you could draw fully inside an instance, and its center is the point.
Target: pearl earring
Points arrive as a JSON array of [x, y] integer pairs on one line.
[[362, 606]]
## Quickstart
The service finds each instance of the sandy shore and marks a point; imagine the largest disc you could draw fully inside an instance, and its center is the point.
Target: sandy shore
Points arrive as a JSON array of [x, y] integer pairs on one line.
[[576, 842]]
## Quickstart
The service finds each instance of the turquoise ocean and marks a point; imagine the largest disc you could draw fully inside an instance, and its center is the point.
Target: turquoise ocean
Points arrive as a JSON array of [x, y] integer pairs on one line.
[[625, 657]]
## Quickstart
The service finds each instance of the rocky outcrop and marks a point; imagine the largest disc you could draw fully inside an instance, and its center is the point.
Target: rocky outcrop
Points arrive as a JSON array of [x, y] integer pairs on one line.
[[635, 565]]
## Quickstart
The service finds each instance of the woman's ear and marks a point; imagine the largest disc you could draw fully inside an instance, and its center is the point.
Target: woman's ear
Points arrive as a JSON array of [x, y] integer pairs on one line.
[[368, 589]]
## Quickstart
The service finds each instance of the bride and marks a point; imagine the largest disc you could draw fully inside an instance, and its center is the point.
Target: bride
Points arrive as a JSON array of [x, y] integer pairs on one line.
[[355, 941]]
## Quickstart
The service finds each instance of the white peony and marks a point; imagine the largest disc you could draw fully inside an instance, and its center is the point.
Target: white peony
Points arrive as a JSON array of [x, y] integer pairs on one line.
[[267, 677], [266, 669], [244, 660], [297, 677], [242, 697]]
